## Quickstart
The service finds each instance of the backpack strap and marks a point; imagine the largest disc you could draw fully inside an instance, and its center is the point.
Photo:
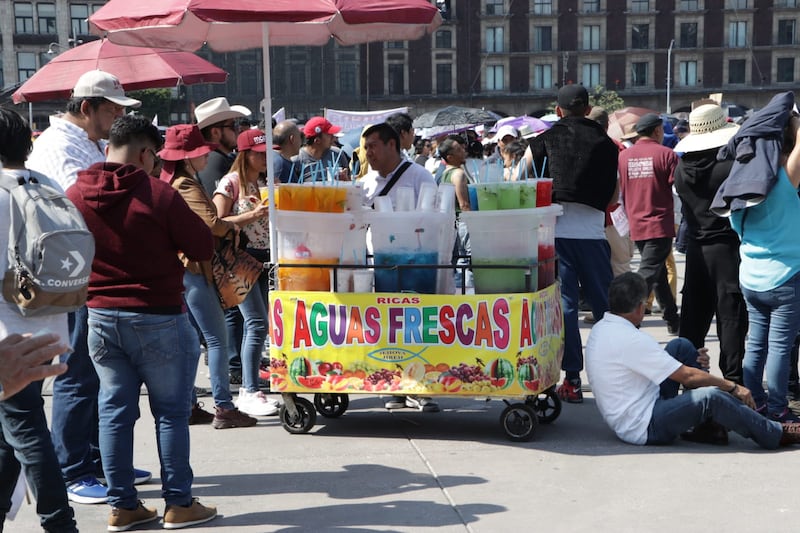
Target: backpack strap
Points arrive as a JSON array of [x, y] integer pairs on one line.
[[395, 177]]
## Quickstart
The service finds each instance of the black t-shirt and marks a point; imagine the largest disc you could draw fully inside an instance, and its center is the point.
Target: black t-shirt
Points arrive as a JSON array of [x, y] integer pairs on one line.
[[218, 165]]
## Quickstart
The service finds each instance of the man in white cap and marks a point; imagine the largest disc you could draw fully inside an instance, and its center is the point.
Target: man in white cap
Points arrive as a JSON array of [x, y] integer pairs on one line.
[[75, 141], [217, 122]]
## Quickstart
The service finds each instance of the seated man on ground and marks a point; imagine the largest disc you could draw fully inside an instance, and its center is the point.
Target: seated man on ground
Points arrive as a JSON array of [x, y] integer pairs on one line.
[[635, 381]]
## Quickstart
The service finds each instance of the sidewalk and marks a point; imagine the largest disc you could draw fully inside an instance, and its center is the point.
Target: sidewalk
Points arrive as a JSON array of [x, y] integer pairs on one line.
[[454, 471]]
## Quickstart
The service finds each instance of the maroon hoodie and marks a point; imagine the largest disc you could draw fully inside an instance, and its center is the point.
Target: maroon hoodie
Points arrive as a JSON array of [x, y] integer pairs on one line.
[[139, 225]]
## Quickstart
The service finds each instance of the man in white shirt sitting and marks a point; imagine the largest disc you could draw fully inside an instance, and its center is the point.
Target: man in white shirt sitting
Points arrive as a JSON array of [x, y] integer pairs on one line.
[[635, 382]]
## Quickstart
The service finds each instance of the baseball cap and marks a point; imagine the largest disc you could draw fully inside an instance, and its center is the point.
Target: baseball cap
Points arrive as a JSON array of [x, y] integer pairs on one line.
[[648, 122], [99, 84], [255, 140], [506, 130], [317, 125], [573, 96]]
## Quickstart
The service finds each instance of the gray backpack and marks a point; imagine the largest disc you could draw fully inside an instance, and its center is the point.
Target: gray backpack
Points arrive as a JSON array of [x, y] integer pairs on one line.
[[50, 249]]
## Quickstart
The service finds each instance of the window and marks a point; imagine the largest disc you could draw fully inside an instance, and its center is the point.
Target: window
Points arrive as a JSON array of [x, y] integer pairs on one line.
[[543, 7], [687, 75], [688, 5], [26, 65], [736, 71], [444, 39], [591, 37], [640, 36], [494, 40], [591, 6], [591, 75], [248, 78], [543, 77], [494, 78], [444, 78], [78, 13], [347, 78], [640, 6], [543, 38], [297, 79], [46, 14], [494, 7], [639, 74], [395, 44], [23, 17], [737, 4], [786, 29], [785, 70], [737, 34], [444, 8], [688, 37], [785, 3], [396, 78]]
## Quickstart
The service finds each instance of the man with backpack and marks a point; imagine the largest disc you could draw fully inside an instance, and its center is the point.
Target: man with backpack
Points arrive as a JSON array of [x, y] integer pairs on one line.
[[75, 141], [140, 331]]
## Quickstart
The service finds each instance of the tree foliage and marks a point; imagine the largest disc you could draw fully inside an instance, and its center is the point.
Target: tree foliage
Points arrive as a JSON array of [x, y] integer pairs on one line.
[[154, 102], [608, 99]]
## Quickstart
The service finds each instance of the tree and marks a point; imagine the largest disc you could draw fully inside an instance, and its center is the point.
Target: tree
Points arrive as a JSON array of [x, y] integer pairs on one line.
[[608, 99], [154, 102]]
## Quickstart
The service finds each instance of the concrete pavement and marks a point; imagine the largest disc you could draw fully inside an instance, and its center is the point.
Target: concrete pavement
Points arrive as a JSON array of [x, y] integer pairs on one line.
[[454, 471]]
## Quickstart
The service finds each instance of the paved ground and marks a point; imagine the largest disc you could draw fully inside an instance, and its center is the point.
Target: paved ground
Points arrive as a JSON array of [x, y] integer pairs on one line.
[[454, 471]]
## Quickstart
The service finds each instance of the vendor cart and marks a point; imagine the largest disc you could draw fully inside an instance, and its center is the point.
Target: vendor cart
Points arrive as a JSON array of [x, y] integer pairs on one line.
[[487, 346]]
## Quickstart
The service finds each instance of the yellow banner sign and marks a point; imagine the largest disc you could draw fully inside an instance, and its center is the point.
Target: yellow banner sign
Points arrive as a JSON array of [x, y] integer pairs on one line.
[[484, 345]]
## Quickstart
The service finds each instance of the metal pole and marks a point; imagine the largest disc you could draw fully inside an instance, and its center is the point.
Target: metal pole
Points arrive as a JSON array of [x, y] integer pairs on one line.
[[30, 115], [669, 74]]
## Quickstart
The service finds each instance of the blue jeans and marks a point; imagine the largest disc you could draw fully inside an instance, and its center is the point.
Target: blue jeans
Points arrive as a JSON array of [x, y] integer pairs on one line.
[[24, 433], [129, 349], [587, 261], [254, 313], [74, 416], [774, 322], [673, 414], [203, 302]]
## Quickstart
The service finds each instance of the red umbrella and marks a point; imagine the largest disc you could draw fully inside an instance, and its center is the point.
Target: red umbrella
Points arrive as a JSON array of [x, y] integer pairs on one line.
[[136, 68], [225, 26], [620, 121]]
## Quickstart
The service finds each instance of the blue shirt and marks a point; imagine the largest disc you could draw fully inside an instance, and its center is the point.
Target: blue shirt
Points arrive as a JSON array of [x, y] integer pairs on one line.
[[770, 248]]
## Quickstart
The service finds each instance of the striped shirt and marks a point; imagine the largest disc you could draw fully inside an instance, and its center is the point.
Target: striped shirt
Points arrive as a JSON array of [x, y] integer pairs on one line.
[[62, 150]]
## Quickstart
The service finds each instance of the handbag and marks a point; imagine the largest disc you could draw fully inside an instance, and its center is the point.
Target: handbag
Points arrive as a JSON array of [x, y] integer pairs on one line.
[[235, 272]]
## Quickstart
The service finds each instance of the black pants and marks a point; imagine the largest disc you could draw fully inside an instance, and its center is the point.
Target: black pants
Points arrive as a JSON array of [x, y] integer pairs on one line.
[[711, 287], [654, 253]]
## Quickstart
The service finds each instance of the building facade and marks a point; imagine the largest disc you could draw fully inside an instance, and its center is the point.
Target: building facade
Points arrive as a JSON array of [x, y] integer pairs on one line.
[[507, 55]]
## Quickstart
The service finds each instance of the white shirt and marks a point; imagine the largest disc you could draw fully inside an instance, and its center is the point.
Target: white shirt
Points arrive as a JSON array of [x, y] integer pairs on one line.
[[625, 367], [10, 320], [62, 150], [580, 221], [414, 176]]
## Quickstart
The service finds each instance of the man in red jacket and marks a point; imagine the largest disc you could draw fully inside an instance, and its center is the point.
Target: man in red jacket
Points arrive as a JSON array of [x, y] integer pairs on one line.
[[139, 331], [645, 180]]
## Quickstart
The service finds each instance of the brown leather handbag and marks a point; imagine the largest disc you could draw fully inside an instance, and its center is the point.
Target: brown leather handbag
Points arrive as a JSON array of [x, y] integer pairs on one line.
[[235, 271]]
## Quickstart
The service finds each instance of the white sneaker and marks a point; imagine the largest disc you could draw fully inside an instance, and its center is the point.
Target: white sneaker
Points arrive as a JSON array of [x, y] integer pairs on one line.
[[256, 403]]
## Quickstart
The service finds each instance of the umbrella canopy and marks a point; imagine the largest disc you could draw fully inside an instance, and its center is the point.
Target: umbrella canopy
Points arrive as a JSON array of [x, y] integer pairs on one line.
[[228, 26], [136, 68], [454, 116], [620, 120], [535, 124]]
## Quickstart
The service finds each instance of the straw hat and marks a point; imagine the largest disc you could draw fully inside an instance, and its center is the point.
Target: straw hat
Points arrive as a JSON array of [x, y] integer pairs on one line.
[[708, 128], [214, 111], [630, 133], [184, 141]]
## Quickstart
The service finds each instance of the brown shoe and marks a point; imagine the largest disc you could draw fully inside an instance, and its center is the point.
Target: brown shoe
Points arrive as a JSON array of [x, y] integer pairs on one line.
[[232, 418], [791, 433], [124, 519], [177, 516], [199, 416]]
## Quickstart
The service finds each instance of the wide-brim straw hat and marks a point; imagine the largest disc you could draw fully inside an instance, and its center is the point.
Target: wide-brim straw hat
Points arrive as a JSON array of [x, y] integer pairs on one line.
[[708, 128], [216, 110], [184, 141]]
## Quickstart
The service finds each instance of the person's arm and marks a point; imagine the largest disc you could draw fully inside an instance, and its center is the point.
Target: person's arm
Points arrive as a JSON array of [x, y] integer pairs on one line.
[[189, 232], [692, 378], [793, 161], [193, 193], [23, 360], [459, 180], [225, 204]]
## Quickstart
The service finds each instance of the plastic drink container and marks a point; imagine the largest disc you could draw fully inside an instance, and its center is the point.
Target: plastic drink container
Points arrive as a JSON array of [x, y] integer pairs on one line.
[[544, 192]]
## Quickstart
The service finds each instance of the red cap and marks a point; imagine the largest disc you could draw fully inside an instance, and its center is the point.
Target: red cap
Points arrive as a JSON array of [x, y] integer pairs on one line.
[[317, 125], [254, 140]]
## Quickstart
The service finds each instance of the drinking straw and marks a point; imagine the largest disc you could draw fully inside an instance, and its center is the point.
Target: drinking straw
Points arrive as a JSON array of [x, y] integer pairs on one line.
[[291, 173], [544, 164], [336, 161]]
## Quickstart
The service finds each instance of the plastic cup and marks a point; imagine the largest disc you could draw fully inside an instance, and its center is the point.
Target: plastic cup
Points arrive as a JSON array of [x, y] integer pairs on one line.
[[427, 198], [544, 192], [473, 197], [383, 204], [405, 199], [344, 280], [263, 192], [447, 198], [362, 280]]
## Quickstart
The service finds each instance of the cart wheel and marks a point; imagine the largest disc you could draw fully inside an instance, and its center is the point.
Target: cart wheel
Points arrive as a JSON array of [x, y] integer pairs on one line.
[[547, 405], [331, 405], [305, 419], [519, 422]]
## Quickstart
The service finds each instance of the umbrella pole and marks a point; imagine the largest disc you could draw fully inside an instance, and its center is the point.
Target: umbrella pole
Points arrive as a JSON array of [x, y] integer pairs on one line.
[[30, 115], [273, 236]]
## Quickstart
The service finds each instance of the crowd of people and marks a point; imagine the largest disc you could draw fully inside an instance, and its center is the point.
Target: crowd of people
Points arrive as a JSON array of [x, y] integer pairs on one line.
[[152, 302]]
